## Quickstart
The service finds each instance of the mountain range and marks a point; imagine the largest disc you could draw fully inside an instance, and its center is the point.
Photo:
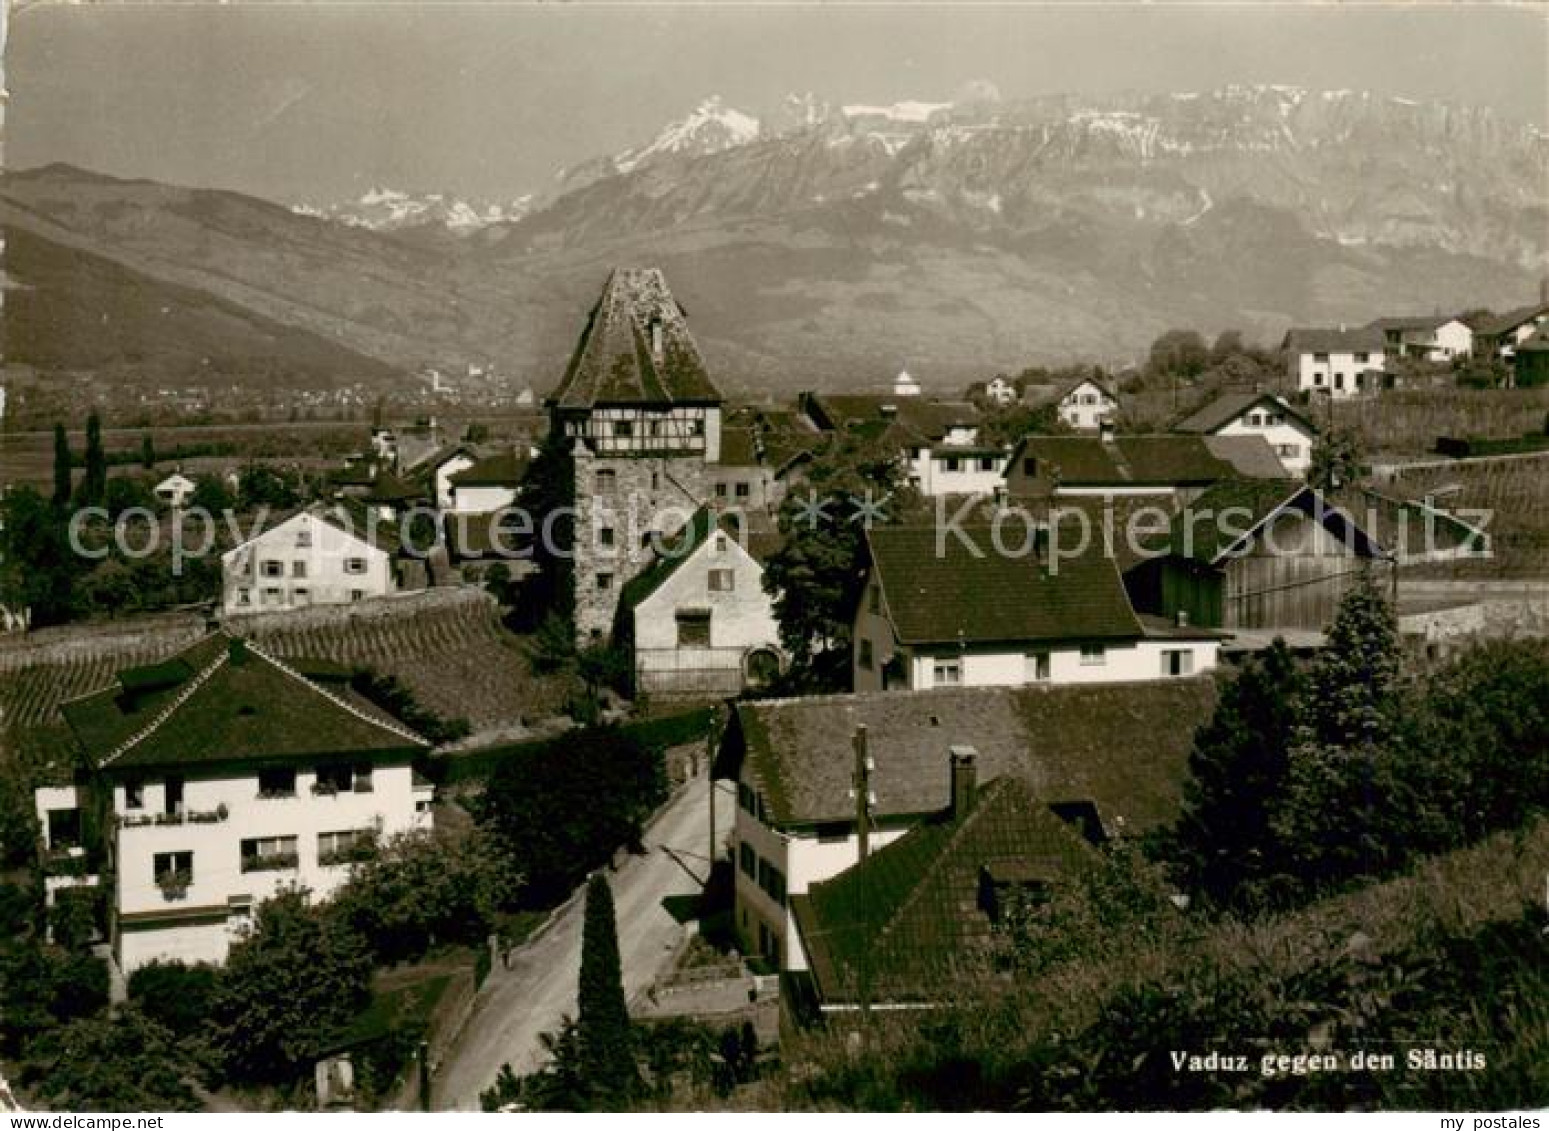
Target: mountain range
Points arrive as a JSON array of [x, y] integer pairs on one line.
[[823, 245]]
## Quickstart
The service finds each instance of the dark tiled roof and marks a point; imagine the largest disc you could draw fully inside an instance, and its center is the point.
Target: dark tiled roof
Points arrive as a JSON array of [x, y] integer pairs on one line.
[[613, 363], [1511, 319], [1249, 456], [1411, 322], [235, 704], [1122, 746], [1325, 339], [503, 469], [937, 590], [913, 911], [1399, 524], [930, 418], [1230, 406], [389, 488], [1159, 461]]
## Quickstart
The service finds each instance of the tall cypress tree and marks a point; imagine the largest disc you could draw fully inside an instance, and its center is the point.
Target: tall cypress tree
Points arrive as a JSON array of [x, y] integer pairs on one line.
[[94, 483], [147, 452], [1223, 845], [607, 1054], [61, 466]]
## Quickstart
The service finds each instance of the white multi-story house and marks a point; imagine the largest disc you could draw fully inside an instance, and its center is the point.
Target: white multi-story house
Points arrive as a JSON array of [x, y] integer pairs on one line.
[[1086, 405], [440, 468], [218, 777], [1440, 337], [325, 555], [1340, 362], [1112, 759], [1288, 432], [698, 620], [981, 610]]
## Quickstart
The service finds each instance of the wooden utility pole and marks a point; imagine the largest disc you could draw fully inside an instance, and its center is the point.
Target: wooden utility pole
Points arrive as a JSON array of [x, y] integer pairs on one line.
[[861, 779], [712, 740], [862, 791]]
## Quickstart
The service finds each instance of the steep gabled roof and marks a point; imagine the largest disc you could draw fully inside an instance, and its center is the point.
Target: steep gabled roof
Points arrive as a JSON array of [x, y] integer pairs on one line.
[[223, 700], [614, 362], [1124, 747], [938, 591], [912, 914], [1334, 339], [930, 419], [502, 469], [1511, 319], [1231, 406], [1413, 322], [1232, 513], [676, 551]]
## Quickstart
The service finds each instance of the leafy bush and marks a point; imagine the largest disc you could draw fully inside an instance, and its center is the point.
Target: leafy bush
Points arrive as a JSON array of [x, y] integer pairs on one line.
[[123, 1063], [175, 995]]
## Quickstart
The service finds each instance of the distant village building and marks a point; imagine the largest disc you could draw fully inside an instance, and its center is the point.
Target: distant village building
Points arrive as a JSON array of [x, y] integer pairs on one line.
[[642, 420], [175, 490], [1084, 405], [1338, 362], [486, 485], [1289, 433], [1498, 337], [439, 468], [225, 775], [998, 390], [697, 620], [1110, 759], [319, 556], [905, 385], [967, 612], [939, 440], [1440, 337]]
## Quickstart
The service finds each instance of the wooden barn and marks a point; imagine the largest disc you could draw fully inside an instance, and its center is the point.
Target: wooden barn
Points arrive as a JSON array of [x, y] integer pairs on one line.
[[1255, 555]]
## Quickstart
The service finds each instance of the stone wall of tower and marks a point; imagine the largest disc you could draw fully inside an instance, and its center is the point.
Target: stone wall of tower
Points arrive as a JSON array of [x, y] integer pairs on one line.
[[632, 496]]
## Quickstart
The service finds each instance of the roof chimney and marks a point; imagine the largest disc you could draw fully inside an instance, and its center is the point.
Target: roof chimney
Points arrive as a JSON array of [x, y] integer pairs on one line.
[[1182, 617], [965, 780]]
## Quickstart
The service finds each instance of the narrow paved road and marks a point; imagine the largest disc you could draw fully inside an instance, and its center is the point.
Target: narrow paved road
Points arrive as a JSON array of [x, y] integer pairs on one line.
[[541, 988]]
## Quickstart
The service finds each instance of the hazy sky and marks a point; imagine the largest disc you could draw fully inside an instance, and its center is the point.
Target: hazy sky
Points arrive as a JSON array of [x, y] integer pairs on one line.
[[320, 102]]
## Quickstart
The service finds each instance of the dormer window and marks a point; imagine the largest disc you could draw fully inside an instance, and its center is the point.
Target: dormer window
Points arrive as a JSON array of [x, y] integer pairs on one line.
[[657, 345]]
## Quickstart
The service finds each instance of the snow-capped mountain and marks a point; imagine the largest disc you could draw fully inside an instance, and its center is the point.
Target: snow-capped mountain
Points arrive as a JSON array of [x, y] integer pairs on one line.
[[711, 127], [390, 210]]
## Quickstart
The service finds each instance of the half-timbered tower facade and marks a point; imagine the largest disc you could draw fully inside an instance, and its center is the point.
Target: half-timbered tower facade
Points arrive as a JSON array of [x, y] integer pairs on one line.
[[642, 419]]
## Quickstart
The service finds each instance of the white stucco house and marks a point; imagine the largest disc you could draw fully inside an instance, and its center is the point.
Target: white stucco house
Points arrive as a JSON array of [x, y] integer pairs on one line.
[[999, 390], [175, 490], [1112, 759], [1289, 433], [225, 775], [697, 619], [1086, 405], [1339, 362], [324, 555], [1439, 337], [1500, 336], [971, 611]]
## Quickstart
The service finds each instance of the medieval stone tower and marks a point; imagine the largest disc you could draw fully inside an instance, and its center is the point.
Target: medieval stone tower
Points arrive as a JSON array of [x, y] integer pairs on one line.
[[642, 420]]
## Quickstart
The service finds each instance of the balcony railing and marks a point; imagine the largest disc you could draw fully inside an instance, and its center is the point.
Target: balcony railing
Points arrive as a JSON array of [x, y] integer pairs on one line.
[[182, 816]]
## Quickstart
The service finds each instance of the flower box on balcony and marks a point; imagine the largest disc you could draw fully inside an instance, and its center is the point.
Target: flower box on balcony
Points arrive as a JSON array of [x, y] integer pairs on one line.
[[275, 862], [324, 789], [355, 854], [209, 816], [174, 885]]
